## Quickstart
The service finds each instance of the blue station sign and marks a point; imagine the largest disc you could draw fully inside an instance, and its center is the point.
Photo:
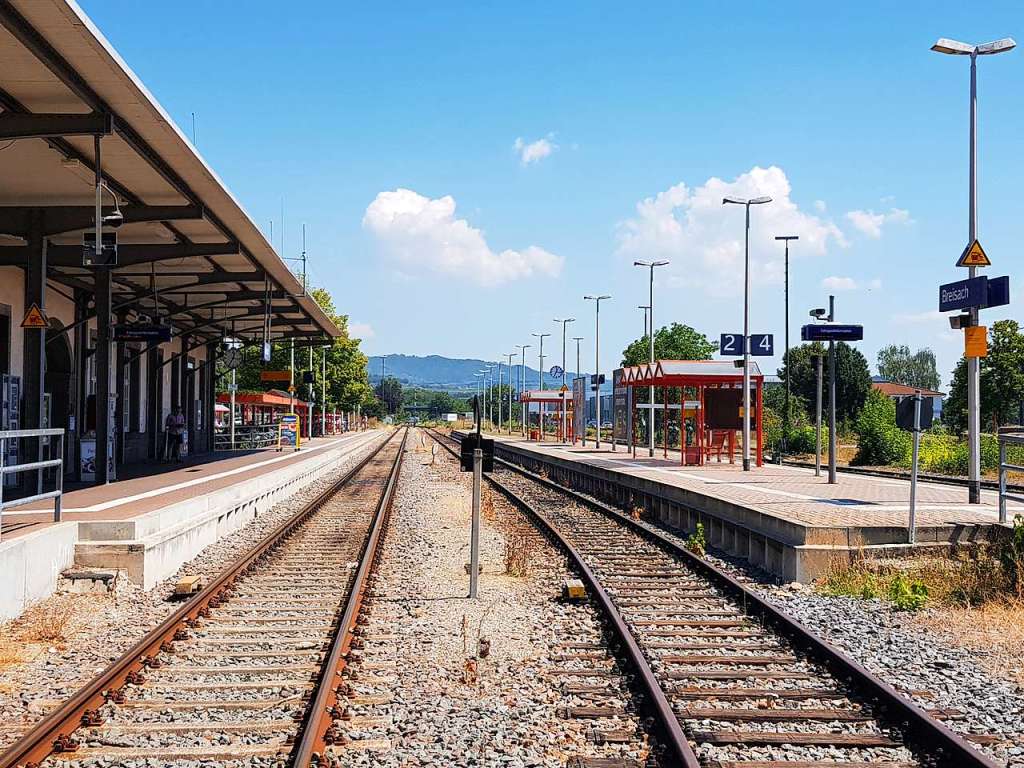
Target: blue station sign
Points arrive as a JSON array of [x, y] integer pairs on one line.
[[963, 294], [832, 332]]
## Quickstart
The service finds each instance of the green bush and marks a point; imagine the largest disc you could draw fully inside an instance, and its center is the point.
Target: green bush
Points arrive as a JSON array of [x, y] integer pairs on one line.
[[907, 595], [801, 439], [879, 440]]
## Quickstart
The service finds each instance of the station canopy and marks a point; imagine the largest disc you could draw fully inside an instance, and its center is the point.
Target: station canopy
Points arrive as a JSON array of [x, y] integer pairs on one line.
[[688, 373], [188, 254]]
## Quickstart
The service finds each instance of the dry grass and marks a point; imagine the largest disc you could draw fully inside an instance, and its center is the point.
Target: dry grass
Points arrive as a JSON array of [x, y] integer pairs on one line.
[[995, 631], [51, 621], [518, 546]]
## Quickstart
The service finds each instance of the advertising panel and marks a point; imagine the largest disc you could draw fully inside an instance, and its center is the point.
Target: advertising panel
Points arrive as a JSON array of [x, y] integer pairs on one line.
[[621, 408], [579, 407]]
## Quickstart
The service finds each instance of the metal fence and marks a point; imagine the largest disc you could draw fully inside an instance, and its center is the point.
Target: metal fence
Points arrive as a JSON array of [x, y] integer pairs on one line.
[[1008, 436], [246, 438], [36, 466]]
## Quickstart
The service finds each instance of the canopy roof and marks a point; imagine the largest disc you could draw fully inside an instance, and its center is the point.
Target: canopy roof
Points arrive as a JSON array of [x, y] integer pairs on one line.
[[682, 373], [184, 233]]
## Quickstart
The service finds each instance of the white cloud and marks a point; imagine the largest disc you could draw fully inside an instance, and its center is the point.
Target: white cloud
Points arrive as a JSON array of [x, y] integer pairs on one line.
[[360, 331], [704, 238], [419, 233], [819, 206], [919, 318], [839, 284], [535, 151], [871, 223]]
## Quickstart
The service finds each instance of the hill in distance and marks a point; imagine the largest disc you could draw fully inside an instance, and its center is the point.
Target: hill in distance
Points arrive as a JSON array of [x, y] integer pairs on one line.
[[446, 373]]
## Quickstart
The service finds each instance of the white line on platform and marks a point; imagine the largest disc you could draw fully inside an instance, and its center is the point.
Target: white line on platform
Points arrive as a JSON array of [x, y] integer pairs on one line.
[[103, 506]]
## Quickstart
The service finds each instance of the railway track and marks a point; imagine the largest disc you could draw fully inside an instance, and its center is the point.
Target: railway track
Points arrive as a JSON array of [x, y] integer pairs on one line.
[[246, 672], [732, 681]]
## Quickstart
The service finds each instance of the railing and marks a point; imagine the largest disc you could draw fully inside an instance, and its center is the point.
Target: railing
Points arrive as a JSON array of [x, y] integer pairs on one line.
[[39, 466], [1008, 436], [246, 438]]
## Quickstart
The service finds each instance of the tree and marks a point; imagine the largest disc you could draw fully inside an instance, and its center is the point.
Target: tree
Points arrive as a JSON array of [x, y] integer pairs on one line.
[[853, 379], [1002, 380], [347, 384], [674, 342], [389, 392], [899, 365]]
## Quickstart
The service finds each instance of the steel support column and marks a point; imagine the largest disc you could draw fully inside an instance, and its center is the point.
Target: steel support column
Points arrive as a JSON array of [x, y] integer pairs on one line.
[[103, 425], [82, 352], [184, 391], [34, 345]]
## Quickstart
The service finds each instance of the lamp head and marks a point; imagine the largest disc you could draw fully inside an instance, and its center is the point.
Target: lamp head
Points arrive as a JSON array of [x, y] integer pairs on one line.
[[760, 200], [952, 47]]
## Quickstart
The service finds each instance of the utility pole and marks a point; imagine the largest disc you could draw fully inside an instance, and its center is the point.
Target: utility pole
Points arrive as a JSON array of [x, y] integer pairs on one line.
[[510, 355], [832, 397], [540, 376], [579, 373], [565, 322], [817, 420], [650, 337]]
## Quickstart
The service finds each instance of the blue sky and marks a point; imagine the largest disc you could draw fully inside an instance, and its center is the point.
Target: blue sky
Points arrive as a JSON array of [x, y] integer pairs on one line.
[[390, 130]]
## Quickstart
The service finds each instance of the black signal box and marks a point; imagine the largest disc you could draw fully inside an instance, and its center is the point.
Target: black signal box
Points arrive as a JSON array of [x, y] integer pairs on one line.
[[470, 443]]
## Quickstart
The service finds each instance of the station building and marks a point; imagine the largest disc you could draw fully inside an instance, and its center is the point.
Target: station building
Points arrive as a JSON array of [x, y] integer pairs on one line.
[[132, 331]]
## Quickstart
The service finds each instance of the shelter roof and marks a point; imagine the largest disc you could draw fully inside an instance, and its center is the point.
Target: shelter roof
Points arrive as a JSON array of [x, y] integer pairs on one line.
[[684, 372]]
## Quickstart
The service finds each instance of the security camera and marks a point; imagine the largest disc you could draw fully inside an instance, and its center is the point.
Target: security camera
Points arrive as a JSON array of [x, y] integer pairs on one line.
[[818, 313], [114, 219]]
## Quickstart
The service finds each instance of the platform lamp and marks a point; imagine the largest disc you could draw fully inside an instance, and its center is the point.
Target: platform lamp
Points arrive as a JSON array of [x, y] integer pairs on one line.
[[650, 324], [510, 355], [746, 203], [522, 381], [540, 375], [597, 359], [785, 359]]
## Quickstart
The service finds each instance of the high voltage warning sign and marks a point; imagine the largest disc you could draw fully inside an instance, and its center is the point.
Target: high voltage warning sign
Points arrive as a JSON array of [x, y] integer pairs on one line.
[[974, 256], [34, 318]]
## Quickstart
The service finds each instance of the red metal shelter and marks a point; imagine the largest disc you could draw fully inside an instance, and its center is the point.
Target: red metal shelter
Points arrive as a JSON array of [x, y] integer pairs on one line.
[[561, 399], [709, 382]]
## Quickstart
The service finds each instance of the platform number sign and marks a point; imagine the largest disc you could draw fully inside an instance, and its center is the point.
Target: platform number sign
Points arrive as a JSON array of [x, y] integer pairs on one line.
[[761, 344], [731, 344]]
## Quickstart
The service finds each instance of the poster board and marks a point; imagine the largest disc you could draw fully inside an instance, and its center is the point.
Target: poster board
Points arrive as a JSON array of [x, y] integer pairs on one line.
[[622, 411], [288, 433]]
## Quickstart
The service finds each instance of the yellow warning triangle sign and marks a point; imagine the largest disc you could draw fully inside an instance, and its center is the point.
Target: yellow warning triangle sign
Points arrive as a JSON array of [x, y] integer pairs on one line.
[[34, 318], [974, 256]]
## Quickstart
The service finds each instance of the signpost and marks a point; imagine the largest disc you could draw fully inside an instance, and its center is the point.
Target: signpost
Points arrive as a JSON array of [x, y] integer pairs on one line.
[[910, 418], [761, 344], [476, 456], [974, 256], [275, 376], [34, 318]]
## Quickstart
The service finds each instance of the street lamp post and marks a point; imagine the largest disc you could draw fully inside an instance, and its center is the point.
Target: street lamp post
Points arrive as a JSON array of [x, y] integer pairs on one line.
[[746, 319], [522, 379], [650, 336], [499, 398], [579, 373], [323, 394], [956, 48], [785, 359], [510, 355], [597, 360], [540, 376], [565, 322]]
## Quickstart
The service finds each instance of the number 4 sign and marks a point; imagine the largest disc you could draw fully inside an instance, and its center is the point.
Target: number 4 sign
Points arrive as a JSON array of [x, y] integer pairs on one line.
[[761, 344]]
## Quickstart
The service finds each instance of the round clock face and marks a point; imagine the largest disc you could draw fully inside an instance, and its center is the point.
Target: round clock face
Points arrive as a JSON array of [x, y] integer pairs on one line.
[[232, 357]]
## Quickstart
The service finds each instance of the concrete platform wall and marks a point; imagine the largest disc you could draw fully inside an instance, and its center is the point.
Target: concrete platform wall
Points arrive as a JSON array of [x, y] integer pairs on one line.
[[31, 564], [152, 547]]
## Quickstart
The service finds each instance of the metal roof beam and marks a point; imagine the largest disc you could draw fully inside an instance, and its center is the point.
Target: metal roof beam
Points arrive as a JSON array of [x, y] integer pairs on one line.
[[127, 255], [58, 219], [49, 125]]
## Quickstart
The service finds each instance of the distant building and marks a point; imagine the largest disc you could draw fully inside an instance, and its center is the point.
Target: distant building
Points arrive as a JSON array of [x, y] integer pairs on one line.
[[899, 391]]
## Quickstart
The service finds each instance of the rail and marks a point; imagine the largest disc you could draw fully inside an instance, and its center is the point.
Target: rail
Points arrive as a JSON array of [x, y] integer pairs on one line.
[[246, 438], [29, 466], [1008, 436]]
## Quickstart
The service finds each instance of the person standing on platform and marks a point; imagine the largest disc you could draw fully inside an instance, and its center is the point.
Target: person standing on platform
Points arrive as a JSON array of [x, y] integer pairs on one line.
[[174, 426]]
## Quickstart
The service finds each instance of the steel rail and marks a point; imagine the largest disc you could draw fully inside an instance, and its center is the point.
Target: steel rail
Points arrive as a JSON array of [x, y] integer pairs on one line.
[[931, 737], [313, 740], [53, 733], [673, 739]]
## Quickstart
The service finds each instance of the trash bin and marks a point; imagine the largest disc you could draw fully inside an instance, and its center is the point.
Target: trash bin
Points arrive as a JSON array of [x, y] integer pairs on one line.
[[535, 434]]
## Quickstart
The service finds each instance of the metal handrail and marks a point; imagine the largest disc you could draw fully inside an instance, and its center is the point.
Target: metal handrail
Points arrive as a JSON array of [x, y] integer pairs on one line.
[[1008, 436], [34, 466], [246, 437]]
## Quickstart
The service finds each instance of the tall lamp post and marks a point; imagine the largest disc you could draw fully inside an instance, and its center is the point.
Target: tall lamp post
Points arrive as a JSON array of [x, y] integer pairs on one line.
[[579, 373], [956, 48], [540, 376], [510, 355], [597, 359], [650, 325], [785, 359], [522, 379], [323, 393], [565, 322], [746, 318]]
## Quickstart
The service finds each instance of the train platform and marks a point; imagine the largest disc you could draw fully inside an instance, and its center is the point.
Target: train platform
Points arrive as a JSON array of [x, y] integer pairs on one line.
[[147, 526], [782, 518]]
